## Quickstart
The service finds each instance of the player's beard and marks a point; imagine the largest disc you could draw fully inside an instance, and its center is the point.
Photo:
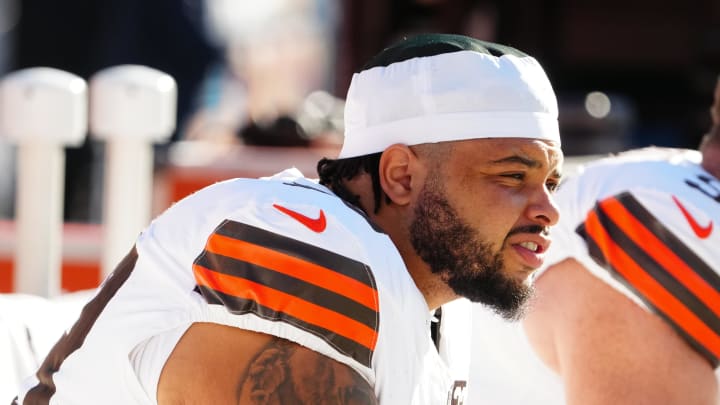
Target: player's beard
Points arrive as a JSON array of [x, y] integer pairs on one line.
[[465, 262]]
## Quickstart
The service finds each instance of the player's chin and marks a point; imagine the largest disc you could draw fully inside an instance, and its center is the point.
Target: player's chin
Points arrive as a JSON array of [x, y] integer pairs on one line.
[[520, 274], [519, 271]]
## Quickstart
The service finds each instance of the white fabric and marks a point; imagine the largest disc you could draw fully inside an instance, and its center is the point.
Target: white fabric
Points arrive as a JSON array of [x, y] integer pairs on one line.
[[16, 352], [455, 351], [158, 296], [29, 327], [448, 97], [149, 357], [504, 369]]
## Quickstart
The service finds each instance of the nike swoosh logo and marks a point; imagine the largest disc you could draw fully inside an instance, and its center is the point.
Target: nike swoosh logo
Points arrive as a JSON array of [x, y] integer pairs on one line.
[[702, 232], [314, 224]]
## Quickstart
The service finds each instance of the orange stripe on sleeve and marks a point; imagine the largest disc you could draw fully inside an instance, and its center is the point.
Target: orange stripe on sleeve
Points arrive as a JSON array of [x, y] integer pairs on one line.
[[288, 304], [650, 288], [312, 273], [662, 254]]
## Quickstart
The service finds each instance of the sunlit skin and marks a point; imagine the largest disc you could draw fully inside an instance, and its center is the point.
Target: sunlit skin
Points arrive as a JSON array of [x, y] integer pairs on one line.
[[496, 186]]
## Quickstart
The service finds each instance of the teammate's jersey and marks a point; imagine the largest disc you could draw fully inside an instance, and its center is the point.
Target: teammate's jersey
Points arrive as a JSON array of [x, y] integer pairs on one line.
[[282, 256], [646, 222]]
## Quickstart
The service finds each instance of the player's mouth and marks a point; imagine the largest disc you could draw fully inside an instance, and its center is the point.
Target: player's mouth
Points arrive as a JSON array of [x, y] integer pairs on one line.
[[532, 252]]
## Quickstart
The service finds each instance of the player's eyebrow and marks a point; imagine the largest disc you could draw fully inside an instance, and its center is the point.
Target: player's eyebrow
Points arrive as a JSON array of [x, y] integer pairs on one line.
[[531, 163]]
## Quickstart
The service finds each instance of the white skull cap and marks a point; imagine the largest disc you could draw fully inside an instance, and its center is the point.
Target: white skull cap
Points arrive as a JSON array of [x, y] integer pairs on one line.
[[441, 87]]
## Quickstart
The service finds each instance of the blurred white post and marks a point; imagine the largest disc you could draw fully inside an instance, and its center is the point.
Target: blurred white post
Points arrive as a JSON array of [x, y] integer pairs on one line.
[[41, 110], [131, 107]]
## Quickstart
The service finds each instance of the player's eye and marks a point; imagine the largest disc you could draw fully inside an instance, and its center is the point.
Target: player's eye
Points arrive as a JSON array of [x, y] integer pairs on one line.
[[552, 185], [516, 176]]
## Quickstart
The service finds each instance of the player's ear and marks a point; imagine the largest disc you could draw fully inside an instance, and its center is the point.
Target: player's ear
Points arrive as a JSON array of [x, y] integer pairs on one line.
[[396, 170]]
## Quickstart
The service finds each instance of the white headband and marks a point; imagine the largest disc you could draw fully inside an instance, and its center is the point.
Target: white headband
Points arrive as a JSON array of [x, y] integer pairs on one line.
[[448, 97]]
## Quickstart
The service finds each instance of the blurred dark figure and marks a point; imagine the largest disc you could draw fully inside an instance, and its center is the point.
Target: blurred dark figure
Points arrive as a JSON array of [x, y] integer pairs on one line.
[[85, 36], [371, 25], [283, 131]]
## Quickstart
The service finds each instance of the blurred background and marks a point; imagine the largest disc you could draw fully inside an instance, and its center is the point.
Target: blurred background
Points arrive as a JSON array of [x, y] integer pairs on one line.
[[273, 73]]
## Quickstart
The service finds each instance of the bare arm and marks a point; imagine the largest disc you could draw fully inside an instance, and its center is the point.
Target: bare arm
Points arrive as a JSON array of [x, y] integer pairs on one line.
[[220, 364], [607, 349]]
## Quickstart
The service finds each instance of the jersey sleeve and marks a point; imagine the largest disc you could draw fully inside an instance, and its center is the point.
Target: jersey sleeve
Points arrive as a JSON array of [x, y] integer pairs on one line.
[[249, 270], [642, 243]]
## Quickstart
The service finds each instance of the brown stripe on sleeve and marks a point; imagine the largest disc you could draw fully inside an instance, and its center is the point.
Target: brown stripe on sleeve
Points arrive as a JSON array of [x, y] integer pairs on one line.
[[251, 270], [679, 258], [264, 302], [293, 247], [661, 270], [297, 287]]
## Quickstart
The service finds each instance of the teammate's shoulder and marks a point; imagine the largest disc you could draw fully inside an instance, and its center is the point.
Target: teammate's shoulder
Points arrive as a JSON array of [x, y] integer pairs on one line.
[[638, 165], [649, 155]]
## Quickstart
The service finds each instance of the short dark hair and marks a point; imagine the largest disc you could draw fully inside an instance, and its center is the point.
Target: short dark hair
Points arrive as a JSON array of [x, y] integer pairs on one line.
[[432, 44], [334, 172]]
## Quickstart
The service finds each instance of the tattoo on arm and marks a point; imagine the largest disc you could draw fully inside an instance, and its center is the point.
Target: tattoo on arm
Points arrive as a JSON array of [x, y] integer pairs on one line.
[[284, 372]]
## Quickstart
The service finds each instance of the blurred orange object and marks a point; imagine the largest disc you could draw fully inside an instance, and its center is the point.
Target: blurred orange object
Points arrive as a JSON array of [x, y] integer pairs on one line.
[[80, 257]]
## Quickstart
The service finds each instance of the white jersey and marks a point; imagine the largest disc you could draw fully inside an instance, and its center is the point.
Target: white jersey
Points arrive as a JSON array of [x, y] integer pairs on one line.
[[282, 256], [504, 368], [645, 222]]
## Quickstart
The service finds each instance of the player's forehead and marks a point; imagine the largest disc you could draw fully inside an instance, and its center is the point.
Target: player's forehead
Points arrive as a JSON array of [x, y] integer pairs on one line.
[[495, 152]]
